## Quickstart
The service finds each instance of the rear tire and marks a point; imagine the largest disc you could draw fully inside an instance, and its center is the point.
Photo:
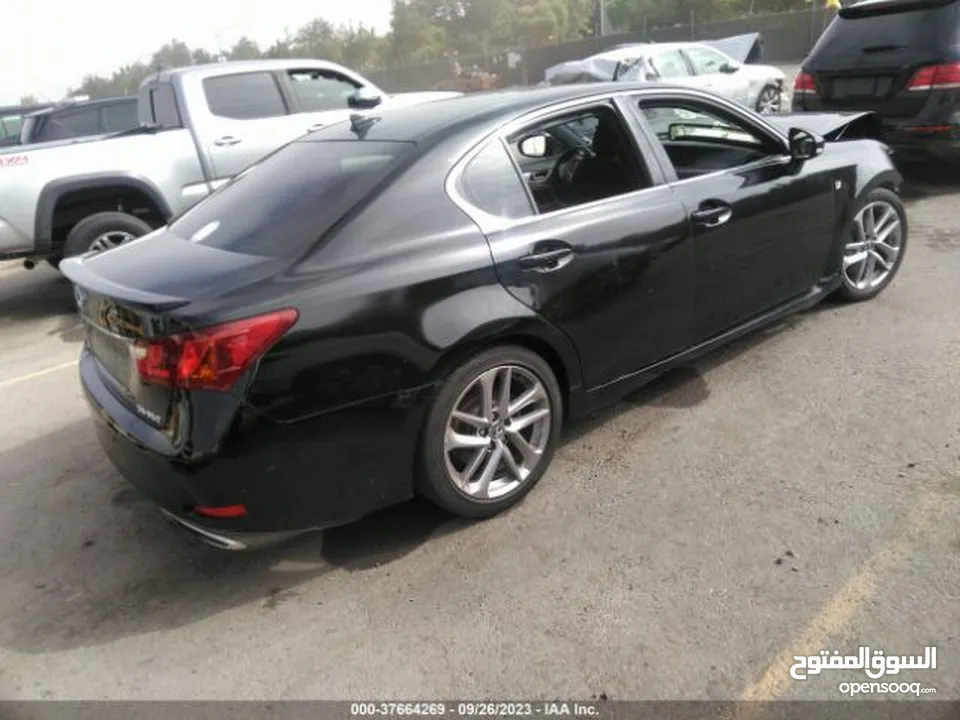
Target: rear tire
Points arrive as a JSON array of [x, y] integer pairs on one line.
[[101, 231], [876, 244], [477, 461]]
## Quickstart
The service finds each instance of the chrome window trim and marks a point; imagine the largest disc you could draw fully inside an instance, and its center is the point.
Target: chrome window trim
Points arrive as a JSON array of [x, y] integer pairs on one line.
[[491, 224]]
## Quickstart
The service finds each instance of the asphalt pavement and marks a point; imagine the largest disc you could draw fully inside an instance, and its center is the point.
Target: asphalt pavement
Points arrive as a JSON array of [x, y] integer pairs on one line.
[[794, 493]]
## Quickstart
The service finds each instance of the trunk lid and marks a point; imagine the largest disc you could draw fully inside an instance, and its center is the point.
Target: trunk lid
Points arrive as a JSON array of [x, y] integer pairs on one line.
[[204, 264], [867, 56], [132, 293]]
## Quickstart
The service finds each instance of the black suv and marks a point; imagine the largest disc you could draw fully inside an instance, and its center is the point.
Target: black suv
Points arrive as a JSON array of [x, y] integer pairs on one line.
[[899, 58], [77, 119]]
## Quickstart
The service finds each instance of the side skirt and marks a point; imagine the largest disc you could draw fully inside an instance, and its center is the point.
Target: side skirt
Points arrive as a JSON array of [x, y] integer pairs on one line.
[[610, 393]]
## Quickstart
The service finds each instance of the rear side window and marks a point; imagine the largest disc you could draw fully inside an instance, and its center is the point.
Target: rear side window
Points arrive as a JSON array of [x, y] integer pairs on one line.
[[163, 107], [281, 206], [491, 183], [246, 96], [888, 28], [119, 117]]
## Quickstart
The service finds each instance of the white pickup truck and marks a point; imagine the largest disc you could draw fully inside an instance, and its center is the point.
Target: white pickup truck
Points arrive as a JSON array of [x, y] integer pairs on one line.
[[199, 126]]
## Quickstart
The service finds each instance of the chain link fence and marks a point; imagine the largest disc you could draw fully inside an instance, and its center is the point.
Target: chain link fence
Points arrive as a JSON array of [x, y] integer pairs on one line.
[[787, 37]]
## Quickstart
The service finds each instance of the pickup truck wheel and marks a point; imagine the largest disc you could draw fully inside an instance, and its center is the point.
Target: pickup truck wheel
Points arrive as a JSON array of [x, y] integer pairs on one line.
[[103, 231]]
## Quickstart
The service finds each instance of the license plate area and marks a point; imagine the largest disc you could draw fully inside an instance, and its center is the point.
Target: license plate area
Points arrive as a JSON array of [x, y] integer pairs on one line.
[[855, 88], [113, 353]]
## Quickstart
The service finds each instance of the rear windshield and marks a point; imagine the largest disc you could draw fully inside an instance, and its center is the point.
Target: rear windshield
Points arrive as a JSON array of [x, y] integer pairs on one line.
[[888, 26], [282, 205]]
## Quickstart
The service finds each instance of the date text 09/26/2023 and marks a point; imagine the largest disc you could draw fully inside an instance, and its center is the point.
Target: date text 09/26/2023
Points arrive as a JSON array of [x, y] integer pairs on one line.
[[472, 709]]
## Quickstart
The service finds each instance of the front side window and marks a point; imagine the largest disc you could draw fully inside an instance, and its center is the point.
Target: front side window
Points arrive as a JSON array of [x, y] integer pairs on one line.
[[700, 140], [321, 90], [577, 158], [706, 61], [244, 96], [670, 64]]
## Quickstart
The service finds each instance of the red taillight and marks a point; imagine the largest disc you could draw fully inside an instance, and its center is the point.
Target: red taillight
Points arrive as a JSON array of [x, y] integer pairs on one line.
[[224, 511], [212, 358], [804, 83], [936, 77]]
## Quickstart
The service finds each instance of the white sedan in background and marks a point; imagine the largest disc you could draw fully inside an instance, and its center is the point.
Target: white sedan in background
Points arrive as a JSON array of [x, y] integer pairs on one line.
[[700, 64]]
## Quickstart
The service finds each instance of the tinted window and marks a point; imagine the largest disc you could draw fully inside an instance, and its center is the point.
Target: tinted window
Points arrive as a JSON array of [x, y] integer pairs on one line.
[[670, 64], [318, 91], [283, 204], [601, 166], [11, 124], [248, 96], [919, 29], [163, 107], [119, 116], [79, 123], [491, 183]]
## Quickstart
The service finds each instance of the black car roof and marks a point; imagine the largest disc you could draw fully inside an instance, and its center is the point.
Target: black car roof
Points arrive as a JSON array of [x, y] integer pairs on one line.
[[437, 120]]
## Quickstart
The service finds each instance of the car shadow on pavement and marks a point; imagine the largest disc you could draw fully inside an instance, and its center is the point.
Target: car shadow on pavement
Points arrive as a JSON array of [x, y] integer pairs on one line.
[[88, 561], [923, 180], [686, 386], [27, 295]]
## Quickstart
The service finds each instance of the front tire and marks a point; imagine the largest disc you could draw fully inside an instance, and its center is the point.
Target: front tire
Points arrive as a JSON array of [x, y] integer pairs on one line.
[[103, 231], [491, 433], [769, 101], [875, 246]]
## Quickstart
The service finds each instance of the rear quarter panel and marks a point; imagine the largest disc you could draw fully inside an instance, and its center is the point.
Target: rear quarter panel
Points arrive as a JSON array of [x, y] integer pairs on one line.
[[389, 304]]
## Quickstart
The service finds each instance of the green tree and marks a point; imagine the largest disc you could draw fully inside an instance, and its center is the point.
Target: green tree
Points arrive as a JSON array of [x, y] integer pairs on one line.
[[244, 49], [172, 55], [202, 57], [414, 39]]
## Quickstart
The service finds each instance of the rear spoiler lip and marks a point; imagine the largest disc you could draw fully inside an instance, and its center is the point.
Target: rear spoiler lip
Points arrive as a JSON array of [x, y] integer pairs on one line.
[[78, 272]]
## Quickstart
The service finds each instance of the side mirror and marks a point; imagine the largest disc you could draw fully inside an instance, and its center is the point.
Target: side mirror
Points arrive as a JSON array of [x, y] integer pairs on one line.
[[534, 146], [804, 145], [365, 99], [730, 67]]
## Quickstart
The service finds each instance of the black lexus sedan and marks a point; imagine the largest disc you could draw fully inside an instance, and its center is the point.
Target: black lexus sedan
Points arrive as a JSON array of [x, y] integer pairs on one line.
[[416, 300]]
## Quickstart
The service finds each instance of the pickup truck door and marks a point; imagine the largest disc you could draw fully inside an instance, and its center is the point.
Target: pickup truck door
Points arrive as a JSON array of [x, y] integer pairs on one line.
[[251, 116], [707, 65]]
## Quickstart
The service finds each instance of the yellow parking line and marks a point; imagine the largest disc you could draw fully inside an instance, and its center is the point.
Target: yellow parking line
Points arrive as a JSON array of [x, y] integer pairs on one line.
[[841, 608], [38, 373]]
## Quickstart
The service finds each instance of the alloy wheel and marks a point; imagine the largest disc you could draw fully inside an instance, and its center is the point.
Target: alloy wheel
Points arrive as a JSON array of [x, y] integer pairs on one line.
[[109, 240], [871, 255], [497, 432], [769, 101]]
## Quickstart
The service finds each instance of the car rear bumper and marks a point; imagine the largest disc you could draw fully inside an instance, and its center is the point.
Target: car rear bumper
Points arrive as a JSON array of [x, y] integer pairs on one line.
[[934, 134], [917, 143], [289, 478]]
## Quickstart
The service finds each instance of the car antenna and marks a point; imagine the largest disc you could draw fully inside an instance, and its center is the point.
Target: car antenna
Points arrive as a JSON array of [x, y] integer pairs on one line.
[[360, 124]]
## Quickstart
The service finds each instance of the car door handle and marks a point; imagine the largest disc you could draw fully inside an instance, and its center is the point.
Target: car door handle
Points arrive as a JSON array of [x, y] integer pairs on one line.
[[547, 260], [712, 215], [226, 141]]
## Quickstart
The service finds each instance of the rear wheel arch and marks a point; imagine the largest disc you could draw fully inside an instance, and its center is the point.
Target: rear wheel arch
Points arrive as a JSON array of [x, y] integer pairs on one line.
[[64, 203], [562, 360]]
